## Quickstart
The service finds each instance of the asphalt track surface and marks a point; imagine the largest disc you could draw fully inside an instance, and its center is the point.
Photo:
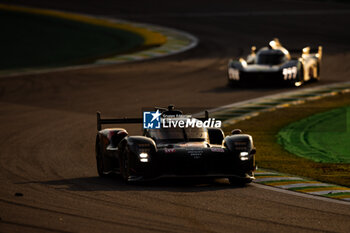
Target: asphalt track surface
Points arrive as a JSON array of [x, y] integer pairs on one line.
[[48, 124]]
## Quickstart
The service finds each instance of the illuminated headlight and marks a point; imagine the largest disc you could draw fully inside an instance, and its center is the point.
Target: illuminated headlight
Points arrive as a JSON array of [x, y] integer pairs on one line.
[[290, 73], [233, 74], [244, 156], [143, 157]]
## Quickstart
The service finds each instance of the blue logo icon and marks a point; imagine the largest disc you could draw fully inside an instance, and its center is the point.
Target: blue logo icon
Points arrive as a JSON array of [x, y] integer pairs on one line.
[[151, 120]]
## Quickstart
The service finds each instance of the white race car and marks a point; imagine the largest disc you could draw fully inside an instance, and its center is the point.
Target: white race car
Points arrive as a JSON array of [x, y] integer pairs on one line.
[[274, 64]]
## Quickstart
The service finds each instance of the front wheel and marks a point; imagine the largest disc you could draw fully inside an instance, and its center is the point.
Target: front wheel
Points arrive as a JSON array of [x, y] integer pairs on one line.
[[300, 76], [100, 165], [318, 72], [125, 167], [233, 83], [99, 158]]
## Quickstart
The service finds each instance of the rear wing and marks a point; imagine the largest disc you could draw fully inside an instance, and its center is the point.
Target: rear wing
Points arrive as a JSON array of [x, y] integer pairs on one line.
[[308, 51], [109, 121], [125, 120]]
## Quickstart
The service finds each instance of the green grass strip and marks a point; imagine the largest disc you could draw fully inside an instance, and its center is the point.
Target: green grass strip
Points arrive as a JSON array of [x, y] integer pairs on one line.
[[322, 137], [32, 40]]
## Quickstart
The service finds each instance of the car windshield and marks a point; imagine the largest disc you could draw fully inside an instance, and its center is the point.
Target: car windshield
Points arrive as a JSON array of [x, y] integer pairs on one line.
[[179, 134], [270, 58]]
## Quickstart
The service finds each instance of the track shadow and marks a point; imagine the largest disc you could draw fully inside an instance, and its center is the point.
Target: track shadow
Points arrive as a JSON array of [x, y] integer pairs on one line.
[[255, 87], [260, 87], [115, 183]]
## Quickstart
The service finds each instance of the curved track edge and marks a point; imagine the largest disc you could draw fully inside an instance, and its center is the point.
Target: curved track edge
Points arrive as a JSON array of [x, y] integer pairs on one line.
[[162, 41], [233, 113]]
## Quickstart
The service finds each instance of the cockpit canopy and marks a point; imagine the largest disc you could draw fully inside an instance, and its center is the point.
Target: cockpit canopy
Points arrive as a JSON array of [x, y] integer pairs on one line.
[[270, 57], [176, 134]]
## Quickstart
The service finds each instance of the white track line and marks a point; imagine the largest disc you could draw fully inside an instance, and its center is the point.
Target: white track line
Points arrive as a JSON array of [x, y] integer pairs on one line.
[[299, 185], [329, 191], [305, 195], [277, 178]]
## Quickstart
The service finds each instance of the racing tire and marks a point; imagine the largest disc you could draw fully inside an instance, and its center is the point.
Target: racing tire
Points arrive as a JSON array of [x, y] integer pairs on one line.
[[100, 165], [232, 83], [125, 168], [318, 72], [99, 160], [300, 76]]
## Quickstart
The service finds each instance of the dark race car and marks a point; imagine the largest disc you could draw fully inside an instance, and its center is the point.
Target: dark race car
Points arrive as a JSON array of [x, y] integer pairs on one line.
[[174, 152], [274, 64]]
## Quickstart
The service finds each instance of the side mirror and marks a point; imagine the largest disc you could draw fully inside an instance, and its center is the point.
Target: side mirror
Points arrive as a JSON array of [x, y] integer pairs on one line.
[[236, 131], [253, 151], [306, 50], [253, 49], [319, 53]]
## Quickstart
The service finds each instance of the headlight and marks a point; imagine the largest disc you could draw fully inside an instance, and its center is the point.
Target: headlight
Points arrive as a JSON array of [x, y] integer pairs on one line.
[[233, 74], [290, 73], [143, 157], [244, 156]]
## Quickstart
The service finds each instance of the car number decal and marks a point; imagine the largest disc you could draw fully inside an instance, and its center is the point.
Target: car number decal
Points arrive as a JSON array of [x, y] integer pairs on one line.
[[217, 149], [196, 154]]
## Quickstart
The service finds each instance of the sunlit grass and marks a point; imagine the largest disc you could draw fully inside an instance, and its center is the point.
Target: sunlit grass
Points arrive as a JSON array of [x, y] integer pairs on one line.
[[265, 127]]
